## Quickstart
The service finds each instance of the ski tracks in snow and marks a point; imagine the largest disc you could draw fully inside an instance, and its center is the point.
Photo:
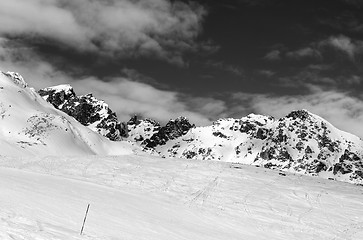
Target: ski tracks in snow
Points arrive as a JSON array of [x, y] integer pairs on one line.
[[205, 193], [202, 195]]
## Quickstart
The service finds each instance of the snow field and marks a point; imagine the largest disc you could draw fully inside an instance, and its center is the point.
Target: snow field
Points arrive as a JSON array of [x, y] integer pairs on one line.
[[141, 197]]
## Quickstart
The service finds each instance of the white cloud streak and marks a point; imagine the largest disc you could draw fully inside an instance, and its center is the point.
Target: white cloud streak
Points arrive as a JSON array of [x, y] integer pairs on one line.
[[273, 55]]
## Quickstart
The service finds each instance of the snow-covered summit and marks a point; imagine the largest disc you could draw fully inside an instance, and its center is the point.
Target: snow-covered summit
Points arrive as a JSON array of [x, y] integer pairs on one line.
[[299, 142], [17, 78]]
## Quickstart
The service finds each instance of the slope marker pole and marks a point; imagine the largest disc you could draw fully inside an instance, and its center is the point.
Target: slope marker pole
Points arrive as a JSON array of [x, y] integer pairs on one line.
[[84, 220]]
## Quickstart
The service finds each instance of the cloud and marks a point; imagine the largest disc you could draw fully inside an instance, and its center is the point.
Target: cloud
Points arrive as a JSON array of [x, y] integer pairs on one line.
[[340, 108], [304, 53], [229, 68], [257, 3], [344, 44], [160, 28], [126, 95], [356, 3], [273, 55], [128, 98], [321, 49], [320, 75], [266, 73]]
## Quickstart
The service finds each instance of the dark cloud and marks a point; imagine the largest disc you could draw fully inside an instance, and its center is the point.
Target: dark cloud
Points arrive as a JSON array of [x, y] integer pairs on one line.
[[307, 52], [267, 73], [321, 76], [356, 3], [273, 55], [346, 21], [232, 69]]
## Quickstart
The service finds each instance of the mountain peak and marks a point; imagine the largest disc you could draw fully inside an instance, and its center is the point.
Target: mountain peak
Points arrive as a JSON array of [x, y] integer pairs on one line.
[[17, 78], [302, 114], [29, 126], [66, 88], [86, 109]]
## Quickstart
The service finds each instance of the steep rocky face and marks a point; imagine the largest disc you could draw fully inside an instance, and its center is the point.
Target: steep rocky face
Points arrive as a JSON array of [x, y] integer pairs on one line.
[[88, 110], [300, 142]]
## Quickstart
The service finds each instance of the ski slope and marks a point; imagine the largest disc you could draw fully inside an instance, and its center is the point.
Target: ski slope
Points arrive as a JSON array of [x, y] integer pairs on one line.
[[143, 197]]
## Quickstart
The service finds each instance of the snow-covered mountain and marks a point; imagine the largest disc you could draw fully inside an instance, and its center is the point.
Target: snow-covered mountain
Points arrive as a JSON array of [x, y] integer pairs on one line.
[[87, 110], [31, 126], [300, 142]]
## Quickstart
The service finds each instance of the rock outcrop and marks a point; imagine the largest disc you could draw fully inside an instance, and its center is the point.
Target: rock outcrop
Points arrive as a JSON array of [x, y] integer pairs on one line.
[[87, 110]]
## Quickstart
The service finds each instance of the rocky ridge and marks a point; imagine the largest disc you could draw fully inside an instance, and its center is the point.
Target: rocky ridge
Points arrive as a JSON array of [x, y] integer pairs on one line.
[[300, 142], [86, 109]]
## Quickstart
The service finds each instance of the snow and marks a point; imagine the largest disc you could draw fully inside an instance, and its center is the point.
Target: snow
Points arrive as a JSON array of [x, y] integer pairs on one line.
[[68, 89], [143, 197], [142, 130], [31, 126], [45, 190]]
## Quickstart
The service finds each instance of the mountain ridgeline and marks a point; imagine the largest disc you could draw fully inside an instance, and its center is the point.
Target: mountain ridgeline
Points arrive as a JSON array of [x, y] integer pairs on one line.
[[300, 142]]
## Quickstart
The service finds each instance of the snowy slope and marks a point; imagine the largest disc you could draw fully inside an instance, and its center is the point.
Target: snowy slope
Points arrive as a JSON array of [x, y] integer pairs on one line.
[[31, 126], [135, 197]]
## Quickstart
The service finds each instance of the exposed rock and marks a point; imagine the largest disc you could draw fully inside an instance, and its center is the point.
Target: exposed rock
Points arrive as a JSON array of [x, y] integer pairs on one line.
[[86, 109], [300, 142], [141, 129], [301, 114], [172, 130]]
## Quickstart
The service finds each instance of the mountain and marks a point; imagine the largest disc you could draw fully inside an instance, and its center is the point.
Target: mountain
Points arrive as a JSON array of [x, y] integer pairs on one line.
[[301, 142], [150, 134], [87, 110], [31, 126]]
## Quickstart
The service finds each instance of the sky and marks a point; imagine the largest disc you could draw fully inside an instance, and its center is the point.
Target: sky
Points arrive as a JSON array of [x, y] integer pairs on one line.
[[203, 59]]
